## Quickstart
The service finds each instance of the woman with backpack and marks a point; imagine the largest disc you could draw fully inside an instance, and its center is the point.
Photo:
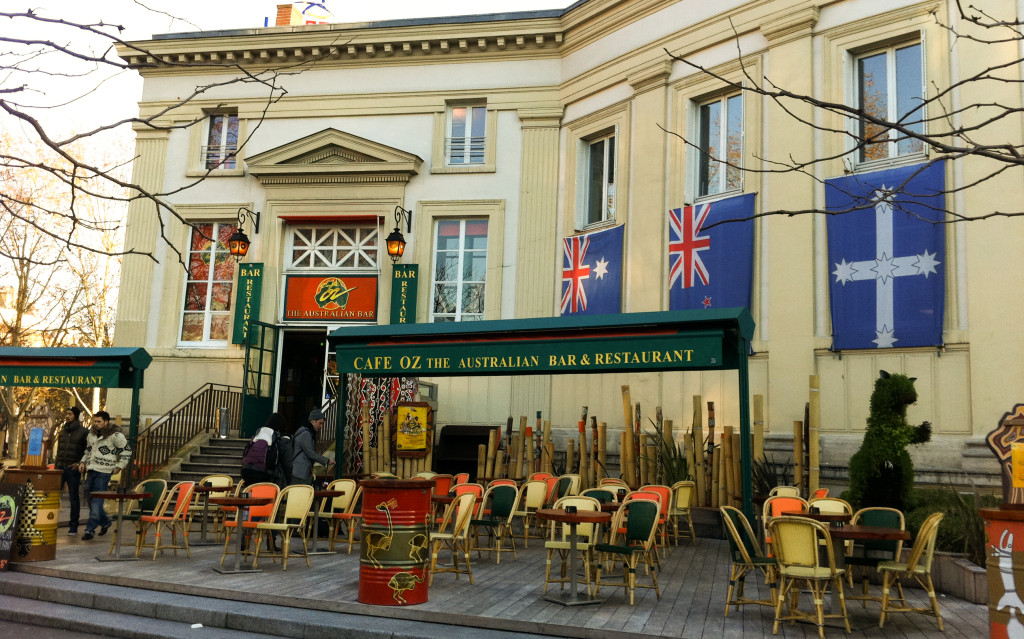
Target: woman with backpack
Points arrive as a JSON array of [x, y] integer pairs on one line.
[[259, 461]]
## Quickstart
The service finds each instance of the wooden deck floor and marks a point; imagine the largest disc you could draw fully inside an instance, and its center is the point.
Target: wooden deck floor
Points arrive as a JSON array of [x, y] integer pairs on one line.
[[693, 583]]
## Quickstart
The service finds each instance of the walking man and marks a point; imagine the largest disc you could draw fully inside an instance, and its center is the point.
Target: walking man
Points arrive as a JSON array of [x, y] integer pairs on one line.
[[106, 451], [70, 447], [305, 450]]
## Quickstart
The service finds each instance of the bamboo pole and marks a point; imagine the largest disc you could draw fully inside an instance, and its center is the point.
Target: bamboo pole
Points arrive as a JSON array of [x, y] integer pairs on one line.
[[481, 460], [627, 415], [814, 421], [584, 468], [602, 451], [758, 426], [521, 447], [700, 467], [570, 455], [515, 469], [492, 448], [670, 442], [716, 463], [737, 495], [798, 454], [623, 454], [592, 476], [548, 454], [691, 463], [643, 465], [653, 446], [529, 450], [726, 473]]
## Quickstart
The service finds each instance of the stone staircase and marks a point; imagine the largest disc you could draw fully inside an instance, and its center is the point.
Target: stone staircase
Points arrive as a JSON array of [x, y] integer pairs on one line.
[[215, 457]]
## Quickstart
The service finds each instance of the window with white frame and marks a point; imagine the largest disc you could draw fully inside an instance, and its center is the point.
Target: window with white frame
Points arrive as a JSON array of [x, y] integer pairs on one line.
[[719, 145], [340, 246], [890, 87], [221, 142], [597, 179], [209, 284], [460, 270], [467, 134]]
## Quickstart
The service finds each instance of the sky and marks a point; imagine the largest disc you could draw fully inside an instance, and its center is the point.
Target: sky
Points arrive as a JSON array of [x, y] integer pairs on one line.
[[89, 95]]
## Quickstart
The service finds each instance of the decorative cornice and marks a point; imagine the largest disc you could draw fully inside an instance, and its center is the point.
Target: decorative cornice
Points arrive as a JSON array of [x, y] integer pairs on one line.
[[541, 117], [305, 178], [798, 24], [651, 77]]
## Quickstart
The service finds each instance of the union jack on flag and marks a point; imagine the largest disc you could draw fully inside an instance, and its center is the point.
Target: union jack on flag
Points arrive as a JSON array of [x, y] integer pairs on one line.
[[574, 295], [711, 262], [592, 273]]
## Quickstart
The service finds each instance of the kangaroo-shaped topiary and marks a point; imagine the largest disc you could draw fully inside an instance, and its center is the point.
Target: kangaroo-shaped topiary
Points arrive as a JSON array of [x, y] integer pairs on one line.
[[881, 472]]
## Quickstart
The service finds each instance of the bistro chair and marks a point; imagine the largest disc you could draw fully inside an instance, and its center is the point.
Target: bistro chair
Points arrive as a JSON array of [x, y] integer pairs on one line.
[[201, 501], [634, 528], [665, 494], [831, 505], [173, 515], [784, 491], [551, 495], [531, 497], [453, 534], [774, 507], [572, 489], [426, 474], [349, 517], [746, 558], [254, 514], [534, 476], [336, 504], [796, 544], [461, 478], [296, 501], [614, 482], [874, 552], [560, 542], [917, 567], [474, 489], [602, 495], [818, 494], [680, 505], [504, 501], [135, 509], [226, 512]]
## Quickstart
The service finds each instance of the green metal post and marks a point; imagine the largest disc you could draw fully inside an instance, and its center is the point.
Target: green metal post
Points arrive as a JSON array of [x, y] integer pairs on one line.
[[746, 449]]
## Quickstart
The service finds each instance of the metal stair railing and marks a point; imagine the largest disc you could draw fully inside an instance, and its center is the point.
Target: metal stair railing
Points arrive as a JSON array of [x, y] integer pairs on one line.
[[190, 417], [328, 432]]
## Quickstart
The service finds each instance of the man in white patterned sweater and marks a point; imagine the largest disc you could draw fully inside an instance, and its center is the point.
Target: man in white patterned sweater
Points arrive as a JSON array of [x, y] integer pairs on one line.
[[106, 451]]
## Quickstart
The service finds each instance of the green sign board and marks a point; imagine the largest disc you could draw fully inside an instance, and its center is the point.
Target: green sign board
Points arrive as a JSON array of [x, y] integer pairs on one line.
[[94, 376], [247, 308], [562, 354], [404, 282]]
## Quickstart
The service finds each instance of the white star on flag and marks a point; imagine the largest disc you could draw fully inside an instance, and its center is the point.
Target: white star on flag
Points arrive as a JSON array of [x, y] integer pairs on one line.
[[601, 268]]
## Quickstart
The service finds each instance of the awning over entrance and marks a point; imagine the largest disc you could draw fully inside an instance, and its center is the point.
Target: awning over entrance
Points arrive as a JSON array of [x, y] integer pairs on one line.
[[665, 341]]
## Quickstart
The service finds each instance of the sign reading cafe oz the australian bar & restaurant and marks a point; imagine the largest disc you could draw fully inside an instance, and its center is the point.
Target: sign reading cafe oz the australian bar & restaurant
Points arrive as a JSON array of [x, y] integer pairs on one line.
[[315, 298], [640, 352]]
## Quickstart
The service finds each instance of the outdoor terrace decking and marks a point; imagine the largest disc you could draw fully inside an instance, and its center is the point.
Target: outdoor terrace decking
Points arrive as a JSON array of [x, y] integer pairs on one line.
[[508, 597]]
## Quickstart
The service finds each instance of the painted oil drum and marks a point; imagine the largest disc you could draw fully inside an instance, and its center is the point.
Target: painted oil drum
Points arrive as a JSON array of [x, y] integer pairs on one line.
[[1004, 528], [35, 538], [394, 554]]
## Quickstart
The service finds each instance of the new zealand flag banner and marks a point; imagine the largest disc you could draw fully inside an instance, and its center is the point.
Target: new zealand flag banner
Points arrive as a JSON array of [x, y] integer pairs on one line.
[[711, 267], [592, 273], [887, 259]]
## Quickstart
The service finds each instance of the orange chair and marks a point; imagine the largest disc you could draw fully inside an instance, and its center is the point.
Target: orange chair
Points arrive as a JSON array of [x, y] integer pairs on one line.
[[461, 478], [476, 489], [820, 493], [540, 476], [255, 515], [181, 496], [774, 507], [666, 500]]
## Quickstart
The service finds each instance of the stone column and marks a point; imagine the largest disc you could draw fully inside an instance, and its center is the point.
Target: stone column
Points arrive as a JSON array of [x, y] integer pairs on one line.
[[536, 264]]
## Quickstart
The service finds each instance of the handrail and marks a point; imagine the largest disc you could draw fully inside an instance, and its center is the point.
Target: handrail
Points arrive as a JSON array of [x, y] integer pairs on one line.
[[330, 411], [191, 416]]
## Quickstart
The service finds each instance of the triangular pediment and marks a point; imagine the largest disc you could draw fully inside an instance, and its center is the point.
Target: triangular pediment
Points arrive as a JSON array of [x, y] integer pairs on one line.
[[333, 155]]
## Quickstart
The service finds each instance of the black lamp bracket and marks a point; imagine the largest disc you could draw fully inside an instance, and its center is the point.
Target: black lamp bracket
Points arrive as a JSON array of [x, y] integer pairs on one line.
[[401, 213], [244, 212]]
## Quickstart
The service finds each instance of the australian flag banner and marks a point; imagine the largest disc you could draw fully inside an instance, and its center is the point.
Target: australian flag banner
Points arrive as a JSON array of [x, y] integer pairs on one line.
[[711, 267], [886, 259], [592, 273]]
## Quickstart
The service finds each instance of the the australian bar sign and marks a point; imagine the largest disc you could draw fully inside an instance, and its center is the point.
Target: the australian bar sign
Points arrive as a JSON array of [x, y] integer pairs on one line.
[[637, 353], [334, 298]]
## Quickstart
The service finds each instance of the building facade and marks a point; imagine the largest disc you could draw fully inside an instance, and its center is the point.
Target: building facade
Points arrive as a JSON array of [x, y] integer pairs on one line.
[[509, 135]]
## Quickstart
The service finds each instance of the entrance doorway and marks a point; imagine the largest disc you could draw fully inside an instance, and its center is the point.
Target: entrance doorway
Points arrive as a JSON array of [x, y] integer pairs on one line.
[[300, 388]]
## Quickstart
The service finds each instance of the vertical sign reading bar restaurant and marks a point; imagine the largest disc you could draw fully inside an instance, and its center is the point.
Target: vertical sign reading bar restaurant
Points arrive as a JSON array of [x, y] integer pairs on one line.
[[250, 279], [403, 294]]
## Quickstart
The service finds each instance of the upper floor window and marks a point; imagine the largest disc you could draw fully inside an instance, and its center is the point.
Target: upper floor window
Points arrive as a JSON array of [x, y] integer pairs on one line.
[[221, 142], [467, 134], [890, 87], [206, 315], [598, 179], [355, 246], [460, 270], [720, 145]]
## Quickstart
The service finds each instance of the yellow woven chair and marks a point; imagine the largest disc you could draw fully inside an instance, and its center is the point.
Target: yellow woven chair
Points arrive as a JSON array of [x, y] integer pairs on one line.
[[746, 558], [349, 516], [531, 497], [917, 567], [801, 562], [679, 508], [454, 535], [201, 501], [296, 501], [559, 542], [784, 491]]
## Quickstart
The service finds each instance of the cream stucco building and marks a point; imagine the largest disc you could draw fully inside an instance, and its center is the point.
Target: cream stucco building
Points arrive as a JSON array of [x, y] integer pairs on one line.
[[505, 134]]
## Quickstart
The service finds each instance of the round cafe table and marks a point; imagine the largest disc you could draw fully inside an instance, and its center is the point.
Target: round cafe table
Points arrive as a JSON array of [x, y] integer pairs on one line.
[[120, 498], [205, 492], [573, 598], [833, 519], [320, 496], [243, 503]]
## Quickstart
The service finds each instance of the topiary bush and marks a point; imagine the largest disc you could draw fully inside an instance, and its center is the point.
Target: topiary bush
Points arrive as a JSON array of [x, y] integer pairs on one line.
[[881, 472]]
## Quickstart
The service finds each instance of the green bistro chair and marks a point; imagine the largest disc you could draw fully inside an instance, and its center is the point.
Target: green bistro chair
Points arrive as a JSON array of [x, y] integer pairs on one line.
[[504, 501], [634, 527], [873, 553], [746, 558], [134, 510], [602, 495]]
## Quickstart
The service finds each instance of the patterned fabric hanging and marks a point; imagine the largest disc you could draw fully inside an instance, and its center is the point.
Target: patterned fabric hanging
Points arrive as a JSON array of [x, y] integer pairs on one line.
[[380, 395]]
